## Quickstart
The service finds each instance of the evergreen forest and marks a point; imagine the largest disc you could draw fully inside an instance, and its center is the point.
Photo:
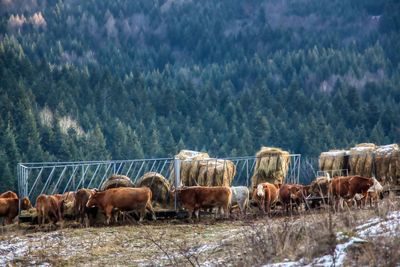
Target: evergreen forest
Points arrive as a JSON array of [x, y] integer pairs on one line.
[[96, 79]]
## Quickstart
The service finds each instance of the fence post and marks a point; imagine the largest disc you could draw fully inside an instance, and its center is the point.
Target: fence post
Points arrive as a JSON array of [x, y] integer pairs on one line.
[[177, 170]]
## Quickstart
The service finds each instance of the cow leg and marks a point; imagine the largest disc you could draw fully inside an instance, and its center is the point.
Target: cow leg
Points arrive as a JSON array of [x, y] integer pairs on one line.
[[197, 213], [226, 211], [142, 213], [109, 212], [149, 208]]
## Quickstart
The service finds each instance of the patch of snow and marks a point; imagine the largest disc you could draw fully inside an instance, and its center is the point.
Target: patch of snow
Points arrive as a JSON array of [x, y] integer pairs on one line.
[[372, 228], [11, 249], [378, 227]]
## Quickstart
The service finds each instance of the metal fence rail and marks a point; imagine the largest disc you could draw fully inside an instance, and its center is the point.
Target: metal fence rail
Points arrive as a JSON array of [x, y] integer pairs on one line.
[[60, 177]]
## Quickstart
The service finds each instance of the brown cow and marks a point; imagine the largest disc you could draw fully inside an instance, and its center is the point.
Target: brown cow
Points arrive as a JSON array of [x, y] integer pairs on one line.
[[81, 211], [47, 208], [292, 195], [123, 199], [9, 194], [194, 198], [26, 204], [9, 209], [266, 195], [347, 187]]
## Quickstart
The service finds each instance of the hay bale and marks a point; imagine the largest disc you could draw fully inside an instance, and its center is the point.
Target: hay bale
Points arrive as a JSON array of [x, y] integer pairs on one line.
[[362, 159], [214, 172], [158, 185], [272, 165], [387, 163], [115, 181], [189, 159], [334, 160]]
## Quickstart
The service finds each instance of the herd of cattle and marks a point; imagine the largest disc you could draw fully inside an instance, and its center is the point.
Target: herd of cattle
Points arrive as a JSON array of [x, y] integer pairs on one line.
[[116, 201]]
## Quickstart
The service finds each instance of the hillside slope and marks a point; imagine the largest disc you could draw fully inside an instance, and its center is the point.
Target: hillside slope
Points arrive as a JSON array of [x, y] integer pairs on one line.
[[122, 79]]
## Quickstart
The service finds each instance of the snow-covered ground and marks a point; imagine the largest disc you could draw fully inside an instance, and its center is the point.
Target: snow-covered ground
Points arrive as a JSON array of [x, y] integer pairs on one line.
[[374, 227]]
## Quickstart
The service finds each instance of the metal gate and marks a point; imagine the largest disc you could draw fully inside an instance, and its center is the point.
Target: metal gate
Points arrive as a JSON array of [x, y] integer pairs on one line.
[[60, 177]]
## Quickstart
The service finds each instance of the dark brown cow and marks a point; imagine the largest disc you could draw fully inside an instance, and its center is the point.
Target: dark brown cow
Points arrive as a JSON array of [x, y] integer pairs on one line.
[[347, 187], [266, 195], [8, 209], [81, 211], [9, 194], [194, 198], [47, 208], [123, 199], [292, 195]]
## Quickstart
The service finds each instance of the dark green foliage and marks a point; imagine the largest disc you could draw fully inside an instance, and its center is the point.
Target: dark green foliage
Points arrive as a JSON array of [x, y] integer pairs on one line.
[[132, 79]]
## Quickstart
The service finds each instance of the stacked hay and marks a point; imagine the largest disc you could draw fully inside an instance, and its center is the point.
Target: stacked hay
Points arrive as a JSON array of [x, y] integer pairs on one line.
[[116, 180], [189, 161], [272, 165], [362, 159], [158, 185], [387, 163], [334, 160], [213, 172]]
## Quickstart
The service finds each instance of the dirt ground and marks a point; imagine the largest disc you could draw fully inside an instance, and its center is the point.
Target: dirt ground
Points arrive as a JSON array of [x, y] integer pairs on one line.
[[255, 240]]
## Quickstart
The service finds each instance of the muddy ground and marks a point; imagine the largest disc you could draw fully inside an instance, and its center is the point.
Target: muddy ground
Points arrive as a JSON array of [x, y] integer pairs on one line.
[[256, 240]]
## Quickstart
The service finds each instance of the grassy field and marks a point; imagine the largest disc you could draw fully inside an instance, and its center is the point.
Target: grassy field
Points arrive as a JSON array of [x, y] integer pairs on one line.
[[351, 237]]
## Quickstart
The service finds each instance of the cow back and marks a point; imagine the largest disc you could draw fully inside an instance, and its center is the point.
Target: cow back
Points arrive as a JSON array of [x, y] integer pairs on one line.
[[126, 198], [9, 194]]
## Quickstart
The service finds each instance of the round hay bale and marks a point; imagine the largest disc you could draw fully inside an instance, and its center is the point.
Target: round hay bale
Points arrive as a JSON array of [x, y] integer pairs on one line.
[[272, 165], [334, 160], [362, 159], [215, 172], [387, 161], [159, 187], [115, 181], [189, 159]]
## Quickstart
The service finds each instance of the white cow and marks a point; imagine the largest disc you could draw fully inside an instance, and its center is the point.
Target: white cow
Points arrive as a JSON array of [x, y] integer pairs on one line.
[[240, 197]]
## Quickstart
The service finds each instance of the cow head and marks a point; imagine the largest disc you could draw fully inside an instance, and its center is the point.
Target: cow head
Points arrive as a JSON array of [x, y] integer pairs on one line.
[[26, 203], [260, 190], [376, 187], [93, 200]]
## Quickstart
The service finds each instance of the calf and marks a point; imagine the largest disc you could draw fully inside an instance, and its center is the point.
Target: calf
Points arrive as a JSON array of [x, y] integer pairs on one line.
[[194, 198], [347, 187], [123, 199], [80, 210], [47, 208], [240, 197], [266, 195]]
